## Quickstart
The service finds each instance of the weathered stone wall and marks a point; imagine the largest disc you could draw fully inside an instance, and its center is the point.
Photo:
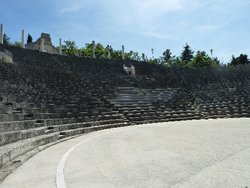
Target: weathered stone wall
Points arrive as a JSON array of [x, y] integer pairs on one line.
[[47, 45]]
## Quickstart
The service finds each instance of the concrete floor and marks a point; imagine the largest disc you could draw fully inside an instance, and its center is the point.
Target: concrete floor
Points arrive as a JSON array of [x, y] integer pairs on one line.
[[205, 153]]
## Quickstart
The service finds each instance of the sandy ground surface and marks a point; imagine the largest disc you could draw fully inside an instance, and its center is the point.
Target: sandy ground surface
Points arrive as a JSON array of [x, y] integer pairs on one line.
[[205, 153]]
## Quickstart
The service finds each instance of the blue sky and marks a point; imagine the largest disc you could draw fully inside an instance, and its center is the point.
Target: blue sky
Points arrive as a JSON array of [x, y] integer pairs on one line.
[[140, 25]]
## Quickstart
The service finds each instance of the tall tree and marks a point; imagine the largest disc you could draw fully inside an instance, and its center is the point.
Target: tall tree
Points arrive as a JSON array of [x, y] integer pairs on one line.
[[187, 54], [29, 40], [167, 55], [6, 39]]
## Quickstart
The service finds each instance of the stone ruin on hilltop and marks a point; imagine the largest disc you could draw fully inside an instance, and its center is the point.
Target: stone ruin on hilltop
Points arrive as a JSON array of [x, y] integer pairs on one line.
[[43, 44]]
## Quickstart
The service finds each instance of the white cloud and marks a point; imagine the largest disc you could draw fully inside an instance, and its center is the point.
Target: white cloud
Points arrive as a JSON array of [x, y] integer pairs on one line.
[[71, 6], [208, 28], [136, 9], [157, 35], [142, 11]]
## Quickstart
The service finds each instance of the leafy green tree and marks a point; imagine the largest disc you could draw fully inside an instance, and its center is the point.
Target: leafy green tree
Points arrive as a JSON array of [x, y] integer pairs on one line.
[[100, 51], [18, 44], [217, 61], [29, 40], [6, 39], [135, 56], [187, 54], [155, 61], [116, 54], [70, 48], [167, 55], [87, 51], [176, 61], [167, 59], [202, 59], [241, 60]]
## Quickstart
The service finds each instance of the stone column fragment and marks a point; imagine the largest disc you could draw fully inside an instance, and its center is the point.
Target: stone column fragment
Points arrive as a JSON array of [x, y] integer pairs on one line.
[[1, 33], [93, 50], [42, 45], [23, 39], [60, 46], [109, 53], [123, 53]]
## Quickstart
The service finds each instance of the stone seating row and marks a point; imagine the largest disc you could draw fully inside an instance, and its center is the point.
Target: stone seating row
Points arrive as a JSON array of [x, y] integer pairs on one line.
[[17, 138], [133, 107], [23, 129]]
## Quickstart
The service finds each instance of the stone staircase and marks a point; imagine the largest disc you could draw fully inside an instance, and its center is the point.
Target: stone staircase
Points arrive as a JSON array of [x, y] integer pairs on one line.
[[142, 105]]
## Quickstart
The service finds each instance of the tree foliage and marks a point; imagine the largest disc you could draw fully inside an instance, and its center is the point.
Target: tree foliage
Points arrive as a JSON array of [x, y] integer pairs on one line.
[[187, 54], [167, 55], [18, 44], [70, 48], [29, 40], [6, 39], [100, 51], [187, 59], [167, 58], [132, 55], [241, 60], [201, 59]]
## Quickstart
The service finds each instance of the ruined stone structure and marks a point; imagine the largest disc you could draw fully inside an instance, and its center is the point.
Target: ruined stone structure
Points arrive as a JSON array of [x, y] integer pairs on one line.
[[45, 98], [129, 69], [43, 44], [6, 56]]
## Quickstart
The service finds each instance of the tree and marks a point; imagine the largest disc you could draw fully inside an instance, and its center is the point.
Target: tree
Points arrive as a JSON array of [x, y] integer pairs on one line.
[[177, 61], [187, 54], [155, 61], [18, 44], [143, 56], [167, 58], [29, 40], [70, 48], [116, 54], [6, 39], [167, 55], [241, 60], [202, 59], [132, 55], [100, 51]]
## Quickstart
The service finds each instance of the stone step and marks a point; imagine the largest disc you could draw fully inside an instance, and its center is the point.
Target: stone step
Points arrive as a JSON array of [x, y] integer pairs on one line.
[[20, 125], [11, 151], [15, 117], [86, 124], [13, 136], [79, 131]]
